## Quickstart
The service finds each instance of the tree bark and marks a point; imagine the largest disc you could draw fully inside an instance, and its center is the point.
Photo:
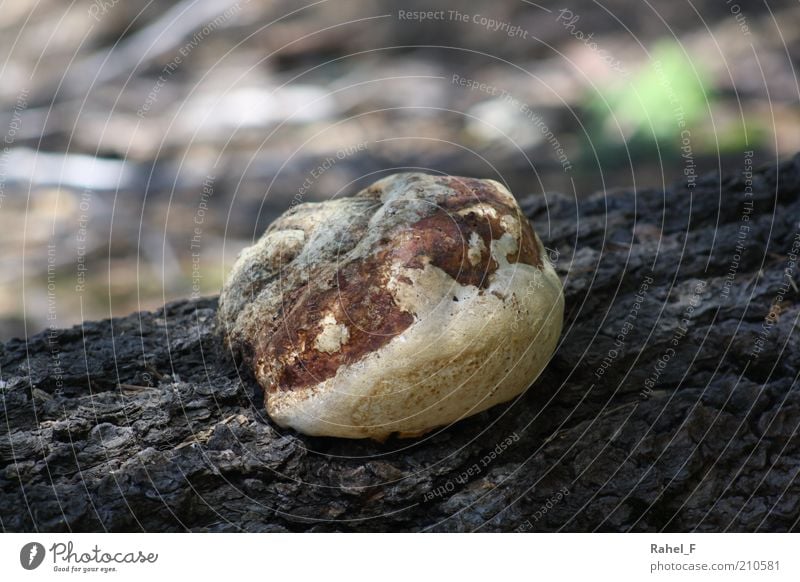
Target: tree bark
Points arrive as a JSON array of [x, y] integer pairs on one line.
[[671, 403]]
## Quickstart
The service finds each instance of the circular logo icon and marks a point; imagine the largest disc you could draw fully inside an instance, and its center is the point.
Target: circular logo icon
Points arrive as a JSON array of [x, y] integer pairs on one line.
[[31, 555]]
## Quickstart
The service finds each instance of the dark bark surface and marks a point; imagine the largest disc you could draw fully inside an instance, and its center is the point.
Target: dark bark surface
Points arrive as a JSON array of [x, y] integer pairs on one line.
[[671, 403]]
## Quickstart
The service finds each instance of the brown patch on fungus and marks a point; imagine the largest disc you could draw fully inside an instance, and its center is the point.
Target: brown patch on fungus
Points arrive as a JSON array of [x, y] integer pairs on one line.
[[358, 298], [442, 239], [528, 249], [471, 192]]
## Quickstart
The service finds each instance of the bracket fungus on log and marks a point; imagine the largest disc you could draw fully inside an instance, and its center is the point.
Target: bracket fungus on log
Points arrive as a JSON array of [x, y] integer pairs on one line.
[[417, 302]]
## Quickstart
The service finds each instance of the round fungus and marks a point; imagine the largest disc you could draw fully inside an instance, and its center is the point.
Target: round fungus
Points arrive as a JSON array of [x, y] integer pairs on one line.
[[417, 302]]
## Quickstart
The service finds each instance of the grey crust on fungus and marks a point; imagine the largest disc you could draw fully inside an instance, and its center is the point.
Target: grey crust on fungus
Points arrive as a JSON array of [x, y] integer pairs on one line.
[[417, 302]]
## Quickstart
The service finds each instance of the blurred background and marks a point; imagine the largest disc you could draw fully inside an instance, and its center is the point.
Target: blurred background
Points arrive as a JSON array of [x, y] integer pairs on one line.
[[145, 143]]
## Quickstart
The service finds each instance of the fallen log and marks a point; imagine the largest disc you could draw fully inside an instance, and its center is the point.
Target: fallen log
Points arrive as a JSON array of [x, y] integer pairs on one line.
[[671, 403]]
